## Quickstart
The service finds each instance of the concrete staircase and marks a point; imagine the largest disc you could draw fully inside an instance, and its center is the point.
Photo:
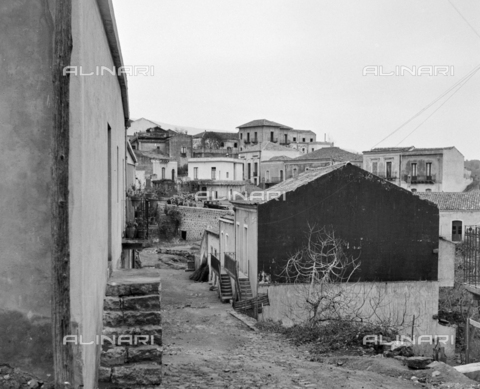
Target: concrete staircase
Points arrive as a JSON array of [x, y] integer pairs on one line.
[[132, 343], [225, 288], [245, 289]]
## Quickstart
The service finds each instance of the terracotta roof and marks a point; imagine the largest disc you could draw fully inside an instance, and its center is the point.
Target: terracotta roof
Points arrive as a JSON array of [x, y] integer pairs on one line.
[[151, 155], [449, 201], [332, 153], [221, 135], [278, 158], [263, 123]]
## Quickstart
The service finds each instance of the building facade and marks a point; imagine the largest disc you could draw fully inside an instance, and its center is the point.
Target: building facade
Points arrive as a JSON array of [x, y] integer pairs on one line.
[[215, 144], [63, 200], [419, 170], [219, 177], [457, 212]]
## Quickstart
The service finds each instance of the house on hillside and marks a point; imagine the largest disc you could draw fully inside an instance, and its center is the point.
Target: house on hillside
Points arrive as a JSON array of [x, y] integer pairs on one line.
[[218, 178], [272, 171], [62, 200], [140, 125], [255, 155], [153, 166], [320, 158], [457, 211], [175, 145], [419, 170], [264, 130], [393, 233], [215, 144]]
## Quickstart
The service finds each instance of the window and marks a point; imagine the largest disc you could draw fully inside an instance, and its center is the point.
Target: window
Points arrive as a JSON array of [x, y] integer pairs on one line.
[[267, 175], [248, 137], [195, 173], [222, 144], [255, 136], [429, 169], [303, 149], [303, 139], [249, 170], [311, 139], [281, 175], [227, 174], [235, 145], [163, 173], [255, 169], [271, 136], [375, 168], [456, 230], [134, 147], [294, 139], [389, 170], [184, 149], [241, 148], [214, 173], [313, 149], [414, 169], [241, 136]]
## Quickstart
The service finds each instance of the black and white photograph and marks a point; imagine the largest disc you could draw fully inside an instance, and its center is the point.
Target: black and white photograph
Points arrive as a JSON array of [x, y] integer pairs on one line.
[[218, 194]]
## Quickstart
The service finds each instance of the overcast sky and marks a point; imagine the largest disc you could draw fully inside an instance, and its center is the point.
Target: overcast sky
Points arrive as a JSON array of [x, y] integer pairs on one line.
[[220, 63]]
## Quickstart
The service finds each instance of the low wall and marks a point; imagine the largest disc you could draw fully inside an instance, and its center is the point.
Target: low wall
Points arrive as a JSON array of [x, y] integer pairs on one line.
[[395, 302], [196, 220]]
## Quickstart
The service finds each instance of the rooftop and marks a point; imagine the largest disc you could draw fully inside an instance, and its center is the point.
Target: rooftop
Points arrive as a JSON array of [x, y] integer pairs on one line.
[[218, 134], [151, 155], [331, 153], [279, 158], [410, 149], [450, 201], [293, 183], [264, 123]]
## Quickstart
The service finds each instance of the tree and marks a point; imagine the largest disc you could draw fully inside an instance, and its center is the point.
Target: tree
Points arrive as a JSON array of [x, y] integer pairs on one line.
[[317, 269]]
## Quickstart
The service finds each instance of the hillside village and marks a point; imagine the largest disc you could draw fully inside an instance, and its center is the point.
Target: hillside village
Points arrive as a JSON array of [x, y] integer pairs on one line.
[[141, 255]]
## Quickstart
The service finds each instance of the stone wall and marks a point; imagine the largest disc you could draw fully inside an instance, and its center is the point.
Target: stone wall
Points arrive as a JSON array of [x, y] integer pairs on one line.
[[196, 220]]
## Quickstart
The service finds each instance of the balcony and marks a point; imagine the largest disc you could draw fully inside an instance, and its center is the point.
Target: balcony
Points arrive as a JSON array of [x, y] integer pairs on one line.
[[420, 179], [389, 177]]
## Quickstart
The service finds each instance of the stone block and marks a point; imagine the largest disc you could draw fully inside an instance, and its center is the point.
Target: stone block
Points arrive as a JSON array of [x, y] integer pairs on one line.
[[112, 304], [141, 318], [116, 289], [114, 356], [151, 353], [154, 332], [418, 362], [104, 374], [142, 303], [145, 289], [141, 374], [113, 319]]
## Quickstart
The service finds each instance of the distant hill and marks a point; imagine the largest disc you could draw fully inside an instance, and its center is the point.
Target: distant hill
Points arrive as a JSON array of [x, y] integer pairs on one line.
[[474, 167]]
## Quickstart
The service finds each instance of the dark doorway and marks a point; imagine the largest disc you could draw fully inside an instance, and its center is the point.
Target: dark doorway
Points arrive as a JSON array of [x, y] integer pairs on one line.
[[457, 231], [184, 235]]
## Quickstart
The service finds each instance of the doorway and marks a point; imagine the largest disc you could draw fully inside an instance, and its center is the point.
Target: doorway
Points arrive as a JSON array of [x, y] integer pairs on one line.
[[457, 231]]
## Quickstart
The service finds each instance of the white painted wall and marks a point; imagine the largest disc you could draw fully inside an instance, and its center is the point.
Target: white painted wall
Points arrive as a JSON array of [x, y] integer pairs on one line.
[[454, 171], [227, 169], [168, 166], [140, 125], [468, 218]]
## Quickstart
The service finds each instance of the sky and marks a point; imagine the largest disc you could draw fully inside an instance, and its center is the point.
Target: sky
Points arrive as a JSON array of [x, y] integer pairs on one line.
[[218, 64]]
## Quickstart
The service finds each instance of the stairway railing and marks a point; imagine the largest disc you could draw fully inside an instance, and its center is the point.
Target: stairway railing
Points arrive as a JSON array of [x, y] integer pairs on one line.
[[231, 266]]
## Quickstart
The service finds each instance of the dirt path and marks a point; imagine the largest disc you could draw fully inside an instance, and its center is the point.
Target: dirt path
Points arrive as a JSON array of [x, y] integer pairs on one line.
[[206, 347]]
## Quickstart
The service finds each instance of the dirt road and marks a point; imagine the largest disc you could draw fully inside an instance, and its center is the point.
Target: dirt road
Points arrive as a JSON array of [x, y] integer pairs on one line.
[[206, 347]]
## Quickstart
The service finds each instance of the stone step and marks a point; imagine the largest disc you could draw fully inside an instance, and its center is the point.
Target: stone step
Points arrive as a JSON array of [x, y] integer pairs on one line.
[[131, 318], [133, 282], [127, 376], [125, 336], [123, 355], [132, 303]]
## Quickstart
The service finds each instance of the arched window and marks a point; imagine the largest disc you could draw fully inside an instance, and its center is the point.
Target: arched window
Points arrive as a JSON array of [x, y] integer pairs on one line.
[[163, 173]]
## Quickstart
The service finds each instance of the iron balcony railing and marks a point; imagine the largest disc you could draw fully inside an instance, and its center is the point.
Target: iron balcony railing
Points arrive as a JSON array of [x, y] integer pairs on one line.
[[471, 255], [420, 179]]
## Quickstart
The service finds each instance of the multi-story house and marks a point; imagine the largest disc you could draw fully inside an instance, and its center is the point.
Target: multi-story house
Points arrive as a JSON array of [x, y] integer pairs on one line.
[[215, 144], [255, 155], [175, 145], [419, 170], [320, 158], [218, 177], [263, 130]]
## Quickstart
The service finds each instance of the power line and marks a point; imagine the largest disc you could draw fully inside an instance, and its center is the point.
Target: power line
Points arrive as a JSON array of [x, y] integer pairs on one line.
[[464, 18], [471, 73], [440, 106]]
